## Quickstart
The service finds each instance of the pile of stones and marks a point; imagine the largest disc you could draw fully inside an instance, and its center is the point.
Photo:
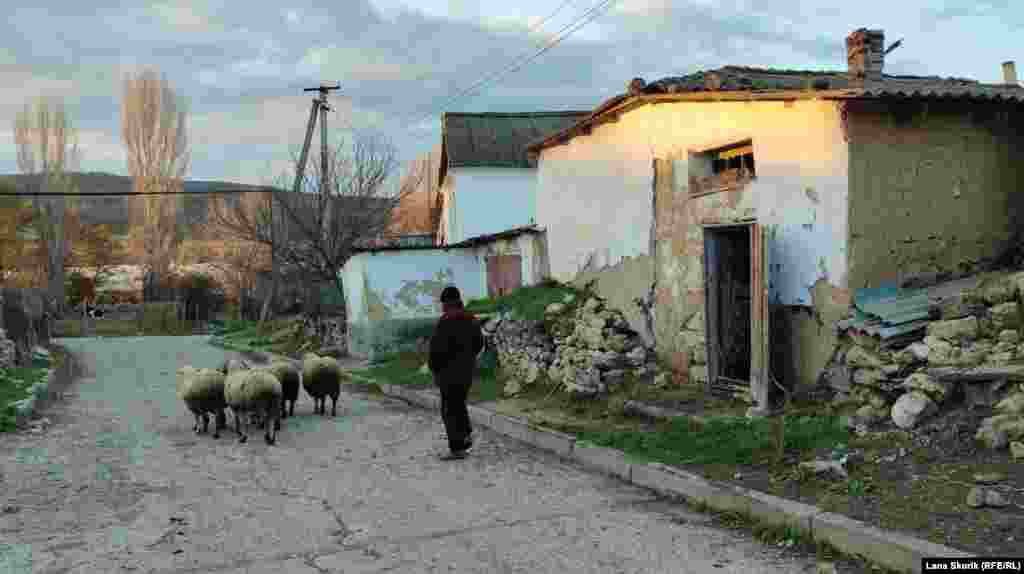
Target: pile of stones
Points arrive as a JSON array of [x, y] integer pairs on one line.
[[588, 349]]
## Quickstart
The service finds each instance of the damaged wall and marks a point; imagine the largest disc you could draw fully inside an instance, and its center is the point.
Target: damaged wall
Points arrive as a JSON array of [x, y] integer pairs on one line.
[[934, 188], [388, 292], [531, 247], [589, 188]]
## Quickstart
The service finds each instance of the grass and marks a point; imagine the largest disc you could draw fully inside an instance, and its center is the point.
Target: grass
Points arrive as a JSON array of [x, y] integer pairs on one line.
[[721, 441], [404, 369], [16, 385], [526, 302], [273, 336]]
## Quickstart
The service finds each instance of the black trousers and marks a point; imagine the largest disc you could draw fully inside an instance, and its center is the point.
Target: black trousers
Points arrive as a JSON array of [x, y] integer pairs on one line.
[[455, 414]]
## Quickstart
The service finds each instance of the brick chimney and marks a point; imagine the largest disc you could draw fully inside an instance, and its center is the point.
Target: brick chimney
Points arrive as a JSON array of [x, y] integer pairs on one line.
[[865, 55], [1010, 73]]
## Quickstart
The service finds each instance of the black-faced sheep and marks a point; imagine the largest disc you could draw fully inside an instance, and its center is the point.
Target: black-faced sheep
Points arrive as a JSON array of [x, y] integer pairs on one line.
[[254, 390], [321, 377], [289, 377], [203, 393]]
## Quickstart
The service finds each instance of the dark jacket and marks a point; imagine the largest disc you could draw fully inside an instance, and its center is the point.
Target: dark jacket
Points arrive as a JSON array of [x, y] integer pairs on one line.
[[457, 341]]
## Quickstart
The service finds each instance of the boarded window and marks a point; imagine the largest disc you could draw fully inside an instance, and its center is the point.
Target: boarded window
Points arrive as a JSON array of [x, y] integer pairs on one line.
[[722, 167], [504, 274]]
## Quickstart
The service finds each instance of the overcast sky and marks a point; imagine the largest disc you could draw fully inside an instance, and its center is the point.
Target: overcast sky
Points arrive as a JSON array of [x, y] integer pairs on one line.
[[242, 65]]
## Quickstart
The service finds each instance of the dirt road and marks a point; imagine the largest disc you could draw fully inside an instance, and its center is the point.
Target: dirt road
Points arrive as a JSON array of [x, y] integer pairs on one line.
[[117, 482]]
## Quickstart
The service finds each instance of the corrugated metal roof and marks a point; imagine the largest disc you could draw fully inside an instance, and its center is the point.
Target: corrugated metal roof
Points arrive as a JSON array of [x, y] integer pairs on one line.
[[889, 312]]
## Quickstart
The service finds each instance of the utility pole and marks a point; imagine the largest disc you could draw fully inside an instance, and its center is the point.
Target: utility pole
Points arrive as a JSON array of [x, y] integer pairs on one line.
[[319, 106]]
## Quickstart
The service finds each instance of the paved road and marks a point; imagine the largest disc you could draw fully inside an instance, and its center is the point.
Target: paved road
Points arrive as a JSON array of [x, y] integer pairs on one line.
[[118, 483]]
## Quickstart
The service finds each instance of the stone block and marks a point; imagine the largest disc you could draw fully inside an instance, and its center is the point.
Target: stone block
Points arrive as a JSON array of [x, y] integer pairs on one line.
[[884, 547], [694, 488], [777, 511], [602, 459], [480, 415], [552, 441], [511, 427]]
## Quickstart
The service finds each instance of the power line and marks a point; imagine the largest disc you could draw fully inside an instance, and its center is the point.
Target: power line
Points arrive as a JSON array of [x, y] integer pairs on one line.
[[125, 193], [587, 17], [529, 30]]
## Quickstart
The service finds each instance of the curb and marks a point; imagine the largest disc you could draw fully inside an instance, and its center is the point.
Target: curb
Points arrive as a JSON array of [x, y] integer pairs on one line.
[[887, 548]]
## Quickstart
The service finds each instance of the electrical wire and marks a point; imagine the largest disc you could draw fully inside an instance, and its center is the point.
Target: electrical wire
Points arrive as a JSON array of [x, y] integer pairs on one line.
[[589, 16]]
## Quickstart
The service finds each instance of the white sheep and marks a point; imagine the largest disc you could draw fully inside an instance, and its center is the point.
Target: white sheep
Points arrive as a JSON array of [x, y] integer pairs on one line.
[[203, 393], [288, 375], [321, 377], [254, 390]]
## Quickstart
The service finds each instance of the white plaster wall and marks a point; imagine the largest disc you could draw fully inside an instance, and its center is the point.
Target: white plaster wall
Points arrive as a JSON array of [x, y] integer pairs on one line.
[[489, 200], [594, 193], [352, 275]]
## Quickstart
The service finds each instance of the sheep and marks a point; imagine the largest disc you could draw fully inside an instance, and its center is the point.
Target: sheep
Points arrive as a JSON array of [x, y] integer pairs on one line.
[[289, 378], [233, 364], [203, 393], [321, 377], [254, 390]]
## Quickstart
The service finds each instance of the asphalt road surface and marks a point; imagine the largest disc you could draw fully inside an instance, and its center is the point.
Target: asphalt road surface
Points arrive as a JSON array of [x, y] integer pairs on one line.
[[117, 482]]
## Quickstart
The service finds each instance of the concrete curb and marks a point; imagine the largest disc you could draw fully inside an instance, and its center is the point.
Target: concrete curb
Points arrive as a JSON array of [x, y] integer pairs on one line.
[[883, 547], [887, 548]]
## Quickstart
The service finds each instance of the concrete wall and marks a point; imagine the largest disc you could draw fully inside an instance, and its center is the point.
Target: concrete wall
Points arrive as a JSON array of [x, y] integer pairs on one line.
[[486, 200], [392, 296], [933, 188], [591, 187]]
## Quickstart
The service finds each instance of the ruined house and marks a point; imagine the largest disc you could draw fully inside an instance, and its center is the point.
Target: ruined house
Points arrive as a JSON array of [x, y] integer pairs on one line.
[[730, 214]]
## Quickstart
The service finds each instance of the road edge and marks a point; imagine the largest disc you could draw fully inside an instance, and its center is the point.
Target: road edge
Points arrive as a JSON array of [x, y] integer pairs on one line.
[[887, 548]]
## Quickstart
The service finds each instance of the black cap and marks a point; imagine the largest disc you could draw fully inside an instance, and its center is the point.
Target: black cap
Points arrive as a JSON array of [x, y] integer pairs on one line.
[[450, 294]]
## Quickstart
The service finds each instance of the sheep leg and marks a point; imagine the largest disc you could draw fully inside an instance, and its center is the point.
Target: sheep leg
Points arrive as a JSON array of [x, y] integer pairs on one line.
[[206, 422], [220, 422], [238, 424], [292, 409], [334, 405], [195, 426], [284, 409]]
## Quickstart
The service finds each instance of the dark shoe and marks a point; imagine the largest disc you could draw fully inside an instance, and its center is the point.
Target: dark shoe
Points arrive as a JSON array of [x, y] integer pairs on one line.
[[457, 455], [468, 445]]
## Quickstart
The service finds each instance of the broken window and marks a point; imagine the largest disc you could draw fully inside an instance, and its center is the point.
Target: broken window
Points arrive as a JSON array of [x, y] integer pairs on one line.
[[721, 168]]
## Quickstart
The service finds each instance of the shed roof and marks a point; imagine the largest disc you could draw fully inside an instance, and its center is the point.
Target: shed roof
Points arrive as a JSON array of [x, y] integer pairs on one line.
[[747, 83], [499, 139]]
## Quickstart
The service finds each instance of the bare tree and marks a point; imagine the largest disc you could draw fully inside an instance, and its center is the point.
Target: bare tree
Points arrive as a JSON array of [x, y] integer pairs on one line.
[[315, 231], [154, 133], [47, 151]]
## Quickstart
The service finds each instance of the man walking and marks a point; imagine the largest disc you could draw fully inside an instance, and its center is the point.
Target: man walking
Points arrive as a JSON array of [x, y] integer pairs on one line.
[[454, 347]]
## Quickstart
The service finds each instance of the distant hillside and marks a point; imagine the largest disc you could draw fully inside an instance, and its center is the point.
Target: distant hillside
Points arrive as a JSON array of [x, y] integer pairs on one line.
[[113, 210]]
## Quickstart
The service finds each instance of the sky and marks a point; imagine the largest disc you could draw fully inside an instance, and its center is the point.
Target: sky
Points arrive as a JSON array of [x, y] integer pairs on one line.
[[241, 66]]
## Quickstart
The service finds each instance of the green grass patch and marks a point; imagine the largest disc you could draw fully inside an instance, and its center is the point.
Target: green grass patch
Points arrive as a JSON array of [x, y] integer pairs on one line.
[[403, 368], [722, 440], [525, 302], [400, 369], [16, 385]]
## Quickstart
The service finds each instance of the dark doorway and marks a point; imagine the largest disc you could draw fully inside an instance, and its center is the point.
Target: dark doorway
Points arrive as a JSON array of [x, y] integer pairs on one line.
[[728, 299]]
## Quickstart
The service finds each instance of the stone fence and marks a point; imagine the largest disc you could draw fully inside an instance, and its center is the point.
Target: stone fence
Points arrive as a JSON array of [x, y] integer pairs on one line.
[[588, 349]]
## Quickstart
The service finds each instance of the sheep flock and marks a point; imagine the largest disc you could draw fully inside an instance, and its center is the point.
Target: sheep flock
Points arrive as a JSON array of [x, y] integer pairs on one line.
[[261, 395]]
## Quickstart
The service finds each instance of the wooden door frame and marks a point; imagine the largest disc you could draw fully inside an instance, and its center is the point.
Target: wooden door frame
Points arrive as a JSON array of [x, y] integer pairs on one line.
[[759, 326]]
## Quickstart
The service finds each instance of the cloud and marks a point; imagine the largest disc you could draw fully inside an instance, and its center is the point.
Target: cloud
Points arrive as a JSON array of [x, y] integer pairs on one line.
[[243, 65]]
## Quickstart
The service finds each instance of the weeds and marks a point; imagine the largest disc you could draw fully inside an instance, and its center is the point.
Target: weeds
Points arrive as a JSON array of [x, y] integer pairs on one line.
[[722, 440], [527, 302]]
